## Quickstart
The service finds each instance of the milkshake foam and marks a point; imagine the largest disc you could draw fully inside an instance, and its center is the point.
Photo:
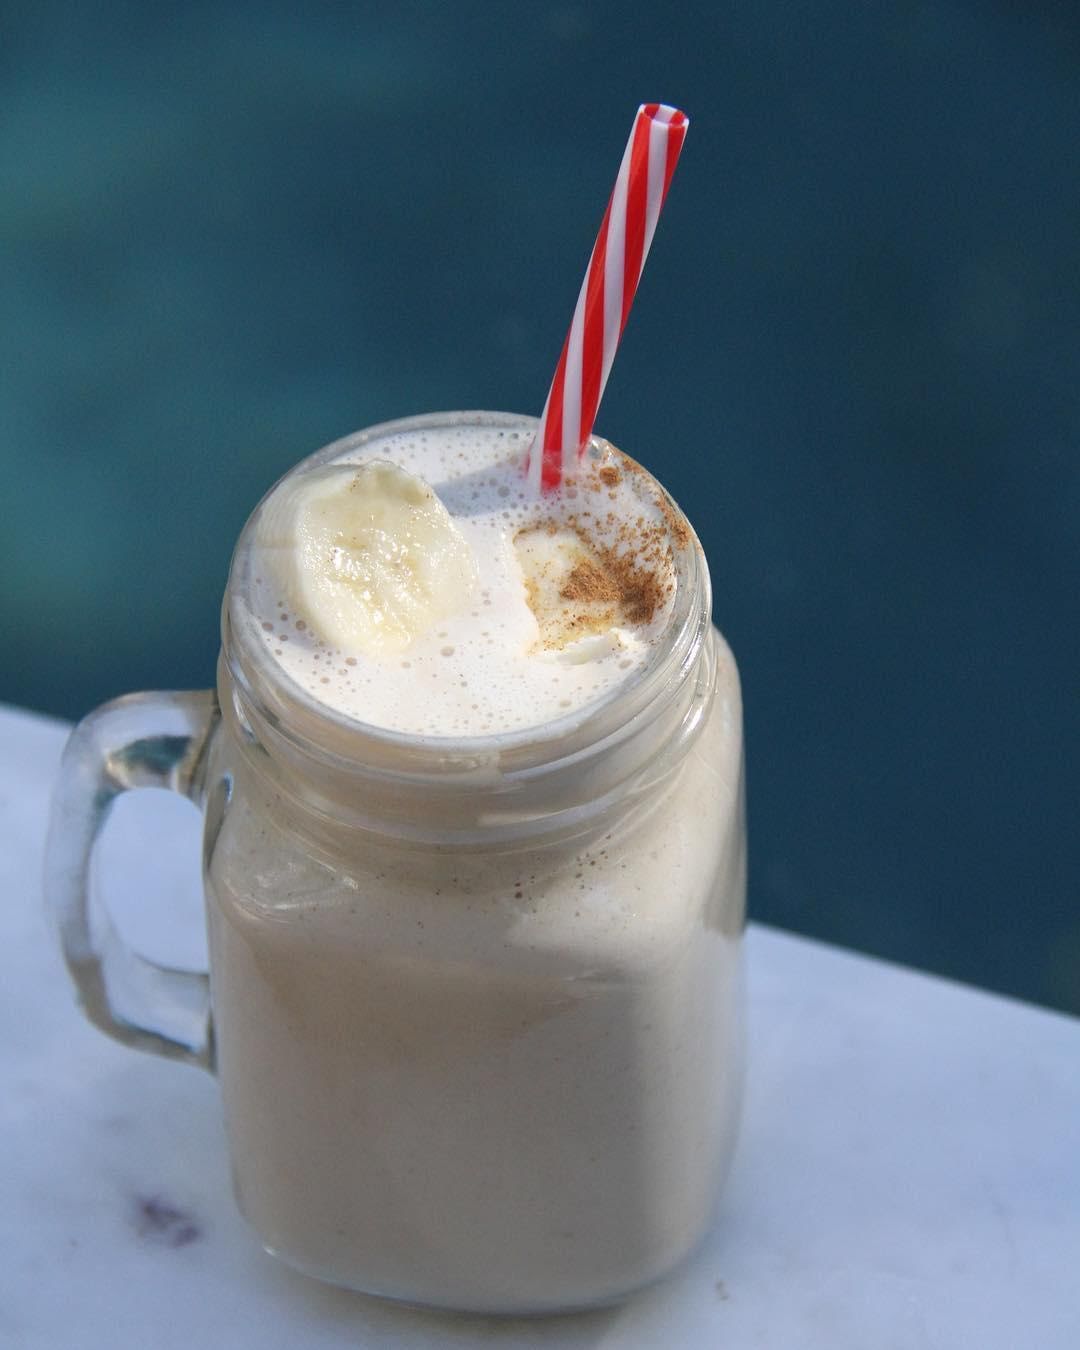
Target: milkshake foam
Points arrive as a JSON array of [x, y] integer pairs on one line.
[[415, 583]]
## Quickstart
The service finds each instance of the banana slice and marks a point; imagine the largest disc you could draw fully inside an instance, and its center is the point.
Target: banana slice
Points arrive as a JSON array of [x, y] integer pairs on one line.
[[366, 554], [574, 597]]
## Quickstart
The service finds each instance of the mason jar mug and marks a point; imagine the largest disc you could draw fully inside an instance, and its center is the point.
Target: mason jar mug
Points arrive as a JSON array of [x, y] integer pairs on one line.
[[474, 1003]]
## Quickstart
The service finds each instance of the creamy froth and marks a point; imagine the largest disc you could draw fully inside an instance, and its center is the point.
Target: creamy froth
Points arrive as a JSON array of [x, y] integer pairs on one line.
[[567, 601]]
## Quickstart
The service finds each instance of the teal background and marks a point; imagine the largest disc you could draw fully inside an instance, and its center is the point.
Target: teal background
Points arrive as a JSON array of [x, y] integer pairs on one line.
[[230, 233]]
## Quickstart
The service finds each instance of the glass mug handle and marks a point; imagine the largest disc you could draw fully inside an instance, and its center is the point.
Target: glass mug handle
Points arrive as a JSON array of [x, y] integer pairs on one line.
[[140, 740]]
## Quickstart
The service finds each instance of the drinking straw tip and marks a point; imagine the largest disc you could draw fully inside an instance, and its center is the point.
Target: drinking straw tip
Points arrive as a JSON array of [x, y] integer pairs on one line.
[[665, 114]]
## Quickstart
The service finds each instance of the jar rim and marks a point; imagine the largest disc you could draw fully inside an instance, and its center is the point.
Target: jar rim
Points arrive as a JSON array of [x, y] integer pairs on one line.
[[266, 694]]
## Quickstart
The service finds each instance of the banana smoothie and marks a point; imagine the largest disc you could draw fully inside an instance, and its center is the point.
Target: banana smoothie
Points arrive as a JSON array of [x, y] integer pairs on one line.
[[475, 862]]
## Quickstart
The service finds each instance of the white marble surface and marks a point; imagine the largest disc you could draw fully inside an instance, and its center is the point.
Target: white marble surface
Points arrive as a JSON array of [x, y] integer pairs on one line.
[[908, 1175]]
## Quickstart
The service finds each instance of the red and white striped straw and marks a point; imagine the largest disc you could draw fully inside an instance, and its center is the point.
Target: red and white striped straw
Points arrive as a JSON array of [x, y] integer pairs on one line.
[[607, 293]]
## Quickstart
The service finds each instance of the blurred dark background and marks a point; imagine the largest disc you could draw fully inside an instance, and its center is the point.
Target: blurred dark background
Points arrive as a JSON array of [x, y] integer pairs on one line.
[[232, 232]]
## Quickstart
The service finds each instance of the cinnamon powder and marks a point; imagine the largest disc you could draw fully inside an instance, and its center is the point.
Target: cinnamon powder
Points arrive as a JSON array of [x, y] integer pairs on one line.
[[619, 579]]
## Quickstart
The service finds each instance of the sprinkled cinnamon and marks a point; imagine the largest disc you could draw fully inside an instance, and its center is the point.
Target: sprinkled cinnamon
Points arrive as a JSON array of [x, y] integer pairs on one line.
[[590, 583], [641, 592], [590, 572], [676, 523], [581, 587]]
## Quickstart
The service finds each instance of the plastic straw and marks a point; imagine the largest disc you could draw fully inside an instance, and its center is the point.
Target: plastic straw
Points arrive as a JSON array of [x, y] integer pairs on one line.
[[607, 293]]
